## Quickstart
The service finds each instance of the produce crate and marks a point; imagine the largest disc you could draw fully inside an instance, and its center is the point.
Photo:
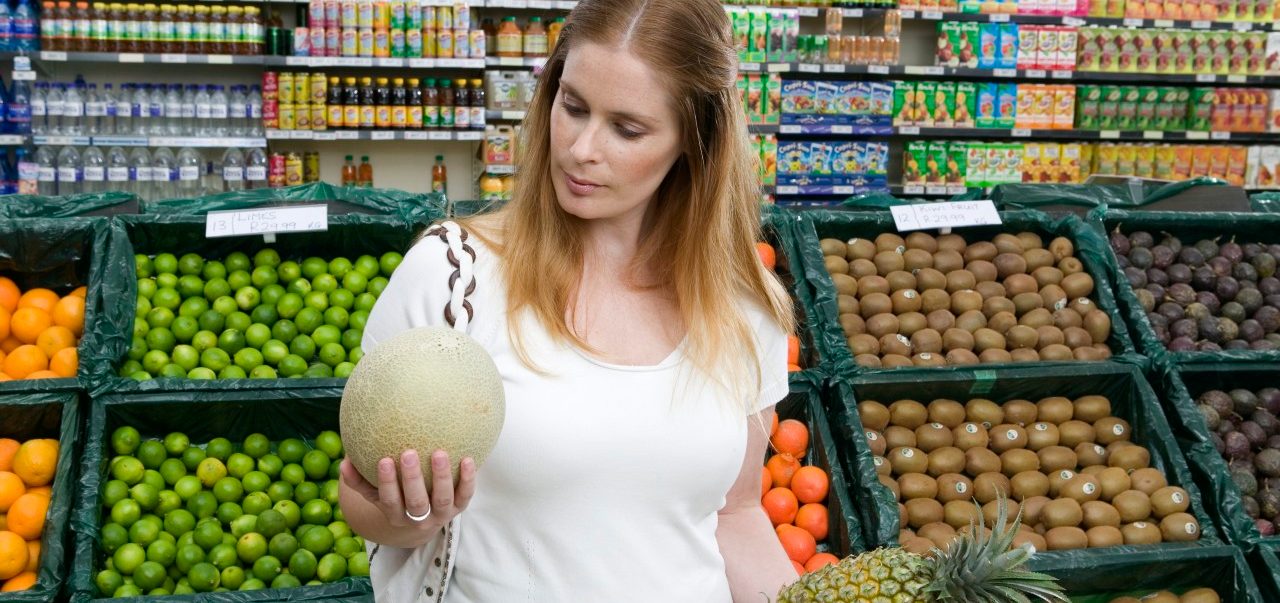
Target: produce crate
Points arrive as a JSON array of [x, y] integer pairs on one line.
[[47, 415], [1222, 568], [1182, 386], [61, 254], [70, 206], [1243, 228], [779, 231], [414, 207], [1266, 570], [233, 415], [815, 225], [347, 235], [1132, 399]]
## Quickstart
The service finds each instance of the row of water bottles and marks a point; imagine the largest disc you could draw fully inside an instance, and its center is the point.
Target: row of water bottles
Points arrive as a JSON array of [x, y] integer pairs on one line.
[[149, 174], [81, 109], [18, 27]]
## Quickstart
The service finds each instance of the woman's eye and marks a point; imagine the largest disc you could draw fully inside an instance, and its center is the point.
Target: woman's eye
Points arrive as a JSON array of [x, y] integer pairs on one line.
[[572, 109], [627, 133]]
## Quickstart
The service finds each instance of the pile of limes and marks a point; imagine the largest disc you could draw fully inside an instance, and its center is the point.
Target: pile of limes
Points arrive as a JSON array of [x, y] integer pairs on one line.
[[178, 518], [259, 317]]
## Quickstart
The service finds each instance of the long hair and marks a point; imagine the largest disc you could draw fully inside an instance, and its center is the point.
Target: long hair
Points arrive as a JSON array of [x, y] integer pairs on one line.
[[705, 220]]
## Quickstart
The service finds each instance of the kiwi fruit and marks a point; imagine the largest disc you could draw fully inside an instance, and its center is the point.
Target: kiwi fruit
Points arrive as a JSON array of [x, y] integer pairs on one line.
[[979, 461], [868, 360], [834, 247], [1020, 412], [1053, 297], [960, 280], [953, 486], [917, 485], [1042, 435], [988, 486], [876, 442], [882, 324], [990, 289], [1077, 285], [1048, 335], [890, 261], [921, 240], [883, 467], [1025, 537], [953, 242], [966, 300], [861, 268], [981, 250], [874, 304], [1054, 409], [853, 324], [873, 415], [890, 483], [1073, 433], [1130, 458], [1147, 481], [961, 357], [1017, 460], [1045, 274], [905, 300], [939, 320], [970, 435], [1001, 322], [932, 436], [923, 511], [888, 241], [960, 513], [900, 280], [1113, 480], [983, 270], [1024, 355], [897, 436], [910, 322], [1067, 318], [984, 412], [1066, 538], [991, 510], [836, 265], [1026, 302], [864, 344], [947, 459], [1082, 306], [1056, 353], [1061, 512], [1032, 508], [948, 412], [1112, 429], [1083, 488], [1022, 337], [1169, 500], [1089, 453], [847, 304], [926, 341], [1008, 436], [1132, 506], [1162, 596], [917, 545], [908, 413], [1098, 324], [1028, 484], [930, 279], [939, 533], [971, 321], [1098, 513], [957, 339], [1057, 458], [1070, 266], [1141, 532], [871, 284], [896, 360], [1102, 536], [995, 305], [994, 356], [845, 284], [1092, 408], [1007, 243], [917, 259], [1037, 318], [1179, 527], [1089, 354], [908, 460], [947, 261], [988, 339], [1201, 595]]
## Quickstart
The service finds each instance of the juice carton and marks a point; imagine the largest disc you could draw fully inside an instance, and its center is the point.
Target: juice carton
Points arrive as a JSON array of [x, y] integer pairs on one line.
[[926, 92], [987, 109], [1041, 114], [1115, 9], [1063, 114], [1097, 8], [948, 44], [1181, 43], [1183, 158], [1148, 96], [1006, 105], [826, 98], [992, 163], [775, 50], [1028, 42], [1125, 159], [1172, 9], [969, 42], [1050, 161], [769, 157], [965, 105], [849, 158], [793, 158], [1065, 56], [976, 164], [1144, 161], [1066, 7], [935, 163], [1109, 107], [1109, 50], [1106, 158], [1135, 9], [1007, 46], [791, 41], [798, 97], [1220, 62], [1251, 170], [1200, 109], [757, 43], [1012, 162], [1144, 41], [850, 100], [1047, 48], [881, 108], [1089, 50], [1071, 162], [1260, 110], [1164, 162], [1269, 167], [742, 94], [1086, 161], [1031, 168], [1237, 163], [1273, 123], [1272, 65], [772, 98], [904, 96], [1240, 110], [1201, 52], [755, 92], [1087, 117], [944, 105], [957, 157], [989, 46], [1163, 51], [757, 141], [1238, 57], [1218, 160], [1181, 101], [913, 162], [877, 158], [1127, 117], [741, 23], [821, 158], [1164, 106], [1200, 161]]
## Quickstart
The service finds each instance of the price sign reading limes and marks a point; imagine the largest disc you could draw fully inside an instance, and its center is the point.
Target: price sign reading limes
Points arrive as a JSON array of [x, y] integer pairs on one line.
[[266, 221]]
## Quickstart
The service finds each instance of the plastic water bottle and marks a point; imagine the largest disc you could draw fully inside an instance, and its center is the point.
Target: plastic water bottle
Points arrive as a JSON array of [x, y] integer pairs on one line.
[[173, 110], [140, 173], [164, 174], [47, 176], [73, 111], [190, 169], [118, 170], [218, 112], [55, 108], [156, 112], [107, 125], [19, 116], [24, 28], [6, 28], [254, 100], [212, 182], [39, 108], [140, 110], [95, 170], [189, 110], [255, 169], [204, 112], [95, 112], [69, 171], [237, 112], [233, 169]]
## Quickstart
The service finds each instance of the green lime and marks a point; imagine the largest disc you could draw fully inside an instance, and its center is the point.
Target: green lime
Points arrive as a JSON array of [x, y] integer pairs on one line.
[[343, 370], [347, 546], [225, 305], [211, 320], [289, 270], [271, 294], [313, 267], [303, 346], [210, 470], [271, 465], [169, 500], [154, 479], [318, 370], [203, 505], [291, 450], [204, 340], [283, 545], [128, 557], [179, 521], [292, 473], [166, 297], [186, 357], [127, 590], [243, 525], [173, 371], [299, 286], [365, 302], [302, 564], [228, 489], [284, 330], [355, 283], [279, 491], [265, 314], [231, 341], [262, 372], [286, 581], [289, 305], [149, 575], [326, 334], [151, 453], [165, 263], [266, 568], [355, 355], [167, 281], [130, 367], [202, 373], [330, 443], [146, 496], [308, 320], [239, 279], [191, 286], [324, 283], [143, 266], [114, 491], [239, 465], [329, 491], [271, 522], [252, 584], [256, 481], [191, 457], [146, 290], [274, 351], [154, 361], [204, 577], [176, 443], [208, 534], [232, 577], [143, 532], [248, 298], [388, 262], [193, 307], [239, 321], [316, 464], [219, 448], [317, 512], [293, 365], [351, 338], [341, 298], [159, 317], [358, 564], [140, 328], [266, 257], [289, 509], [319, 300], [238, 261], [183, 587], [257, 335], [190, 263], [306, 492], [137, 348], [114, 536], [161, 339], [332, 567], [128, 470], [377, 285], [188, 556], [162, 551], [188, 539], [215, 288], [366, 266], [256, 445], [251, 546], [339, 266], [255, 503], [108, 581], [213, 269], [189, 485], [263, 276], [215, 359], [184, 328]]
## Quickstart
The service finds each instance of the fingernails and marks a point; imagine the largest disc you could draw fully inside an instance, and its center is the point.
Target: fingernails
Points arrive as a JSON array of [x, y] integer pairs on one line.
[[468, 464], [409, 459], [439, 460], [386, 465]]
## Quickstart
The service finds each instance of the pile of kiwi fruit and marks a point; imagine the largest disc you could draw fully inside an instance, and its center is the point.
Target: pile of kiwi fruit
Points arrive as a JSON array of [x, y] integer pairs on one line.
[[1069, 466], [929, 301], [1198, 595]]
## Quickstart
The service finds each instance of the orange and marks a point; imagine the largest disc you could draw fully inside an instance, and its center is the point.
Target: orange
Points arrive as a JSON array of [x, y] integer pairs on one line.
[[33, 555], [793, 350], [65, 362], [799, 544], [80, 292], [21, 581], [44, 375], [4, 377], [13, 555], [25, 360], [782, 467], [36, 461], [5, 318], [799, 568], [55, 338], [69, 313], [8, 448], [793, 368], [27, 324], [766, 481], [810, 484], [26, 516], [819, 560], [780, 505], [43, 490], [767, 256], [39, 297], [11, 487], [813, 519], [4, 522], [9, 344], [9, 294], [792, 436]]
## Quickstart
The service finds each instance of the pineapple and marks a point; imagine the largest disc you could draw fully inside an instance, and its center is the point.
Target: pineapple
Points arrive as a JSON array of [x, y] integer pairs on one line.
[[977, 568]]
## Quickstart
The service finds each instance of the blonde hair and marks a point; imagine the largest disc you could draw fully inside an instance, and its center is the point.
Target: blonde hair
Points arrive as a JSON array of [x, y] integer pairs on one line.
[[706, 215]]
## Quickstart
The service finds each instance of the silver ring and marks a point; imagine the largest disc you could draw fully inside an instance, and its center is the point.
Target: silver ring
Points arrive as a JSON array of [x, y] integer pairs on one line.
[[417, 518]]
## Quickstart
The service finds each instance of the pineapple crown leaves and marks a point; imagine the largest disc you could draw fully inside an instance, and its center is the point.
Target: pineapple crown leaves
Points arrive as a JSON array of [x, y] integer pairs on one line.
[[982, 568]]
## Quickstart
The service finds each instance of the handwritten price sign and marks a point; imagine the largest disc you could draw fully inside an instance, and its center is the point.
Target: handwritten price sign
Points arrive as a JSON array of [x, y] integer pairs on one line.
[[266, 221], [949, 214]]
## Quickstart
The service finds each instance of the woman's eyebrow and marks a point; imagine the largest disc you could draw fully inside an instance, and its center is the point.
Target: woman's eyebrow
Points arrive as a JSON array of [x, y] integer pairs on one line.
[[619, 115]]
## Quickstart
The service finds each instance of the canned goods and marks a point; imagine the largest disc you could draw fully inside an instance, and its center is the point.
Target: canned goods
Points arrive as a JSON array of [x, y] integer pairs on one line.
[[461, 43], [348, 11], [275, 170], [413, 15], [317, 41], [292, 169], [271, 114], [273, 41], [302, 116], [461, 15], [319, 121], [315, 13], [364, 14], [270, 85], [430, 46], [444, 18], [332, 41], [301, 88], [397, 43], [381, 43], [365, 36], [288, 116], [285, 87], [350, 47], [302, 42], [444, 44], [430, 17], [397, 14], [477, 44], [381, 14], [319, 88], [311, 167], [413, 43], [332, 14]]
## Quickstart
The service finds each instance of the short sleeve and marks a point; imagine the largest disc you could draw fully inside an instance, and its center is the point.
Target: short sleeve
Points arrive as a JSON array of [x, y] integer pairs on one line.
[[771, 341], [415, 295]]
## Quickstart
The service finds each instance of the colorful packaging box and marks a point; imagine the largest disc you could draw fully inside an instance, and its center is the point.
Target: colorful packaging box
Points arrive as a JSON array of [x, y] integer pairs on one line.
[[1026, 102], [926, 92], [944, 105], [1200, 109], [772, 98], [904, 95], [1148, 97], [913, 163], [936, 163], [1237, 163], [1071, 162], [989, 46], [957, 158], [1109, 107], [1047, 48], [769, 158], [1064, 108], [967, 51], [1105, 158], [987, 108], [1087, 116], [798, 97], [1006, 105], [1127, 116], [1007, 47], [1031, 169], [755, 95], [758, 42], [976, 164], [1089, 51], [1065, 55], [1028, 44], [776, 27], [966, 104], [1164, 162], [948, 44]]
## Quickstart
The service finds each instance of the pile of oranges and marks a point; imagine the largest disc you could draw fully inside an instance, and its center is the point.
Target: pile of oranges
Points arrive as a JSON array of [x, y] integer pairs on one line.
[[39, 332], [794, 497], [26, 472], [769, 257]]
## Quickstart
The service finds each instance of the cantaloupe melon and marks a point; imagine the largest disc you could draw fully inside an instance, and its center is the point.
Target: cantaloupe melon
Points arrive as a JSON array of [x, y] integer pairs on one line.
[[428, 388]]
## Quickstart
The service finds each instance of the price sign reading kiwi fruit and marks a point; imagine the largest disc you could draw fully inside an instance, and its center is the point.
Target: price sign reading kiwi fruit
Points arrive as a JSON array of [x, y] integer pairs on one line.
[[949, 214]]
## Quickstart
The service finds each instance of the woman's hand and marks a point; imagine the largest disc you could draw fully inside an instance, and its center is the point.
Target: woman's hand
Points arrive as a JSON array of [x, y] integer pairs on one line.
[[403, 498]]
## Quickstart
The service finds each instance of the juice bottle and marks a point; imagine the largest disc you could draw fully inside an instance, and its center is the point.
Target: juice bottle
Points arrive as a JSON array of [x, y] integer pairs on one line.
[[117, 24], [182, 29], [399, 105], [490, 36], [350, 104], [477, 104], [101, 32], [132, 41], [430, 104], [368, 110], [413, 111], [535, 38], [382, 105], [553, 33], [83, 26], [168, 32], [349, 177], [439, 175], [67, 27], [510, 40], [333, 104], [462, 105], [235, 30], [49, 27], [365, 177], [253, 33], [199, 30], [446, 104], [150, 29], [217, 40]]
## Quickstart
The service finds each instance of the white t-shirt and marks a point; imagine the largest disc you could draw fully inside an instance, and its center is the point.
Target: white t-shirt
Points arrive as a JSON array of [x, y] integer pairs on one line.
[[606, 480]]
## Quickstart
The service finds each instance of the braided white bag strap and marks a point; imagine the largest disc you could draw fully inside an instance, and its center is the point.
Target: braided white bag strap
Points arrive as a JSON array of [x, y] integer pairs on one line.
[[458, 312]]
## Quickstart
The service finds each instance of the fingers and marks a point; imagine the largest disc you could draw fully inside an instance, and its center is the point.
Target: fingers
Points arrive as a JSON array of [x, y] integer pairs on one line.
[[466, 484], [414, 489], [352, 479], [441, 481], [389, 499]]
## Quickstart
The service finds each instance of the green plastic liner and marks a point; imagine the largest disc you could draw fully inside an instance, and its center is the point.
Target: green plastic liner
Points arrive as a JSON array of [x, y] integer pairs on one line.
[[1265, 202], [202, 417], [415, 207], [1266, 570], [1222, 568], [1083, 197], [1190, 227], [47, 415], [1132, 399], [71, 206], [812, 226], [1182, 386], [779, 230]]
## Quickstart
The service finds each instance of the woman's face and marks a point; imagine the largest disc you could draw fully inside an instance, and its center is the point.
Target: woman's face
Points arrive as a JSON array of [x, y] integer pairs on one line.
[[614, 134]]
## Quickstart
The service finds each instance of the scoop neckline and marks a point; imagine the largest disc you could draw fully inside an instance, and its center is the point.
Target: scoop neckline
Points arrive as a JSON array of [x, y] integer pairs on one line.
[[669, 361]]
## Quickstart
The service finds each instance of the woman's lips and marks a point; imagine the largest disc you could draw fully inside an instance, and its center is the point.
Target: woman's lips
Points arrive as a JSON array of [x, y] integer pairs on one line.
[[578, 187]]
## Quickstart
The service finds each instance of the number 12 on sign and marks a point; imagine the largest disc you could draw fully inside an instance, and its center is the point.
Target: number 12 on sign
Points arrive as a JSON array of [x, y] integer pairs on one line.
[[948, 214]]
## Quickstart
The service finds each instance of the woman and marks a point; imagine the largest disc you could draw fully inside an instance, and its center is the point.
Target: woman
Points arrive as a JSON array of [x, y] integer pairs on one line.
[[641, 343]]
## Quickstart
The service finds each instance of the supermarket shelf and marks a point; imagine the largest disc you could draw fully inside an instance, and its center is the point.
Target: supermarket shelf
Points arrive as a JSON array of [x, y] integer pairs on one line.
[[430, 135], [152, 141], [825, 190], [499, 169], [926, 15], [138, 57], [763, 128], [527, 63], [1015, 133], [493, 115], [530, 4], [419, 63], [12, 139], [1005, 74], [929, 190]]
